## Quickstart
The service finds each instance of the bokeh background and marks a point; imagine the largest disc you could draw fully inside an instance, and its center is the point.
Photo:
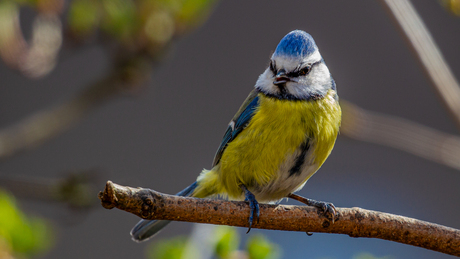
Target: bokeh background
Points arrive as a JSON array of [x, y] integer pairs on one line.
[[162, 135]]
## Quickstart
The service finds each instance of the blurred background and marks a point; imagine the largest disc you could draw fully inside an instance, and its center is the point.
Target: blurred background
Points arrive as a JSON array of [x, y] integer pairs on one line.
[[140, 93]]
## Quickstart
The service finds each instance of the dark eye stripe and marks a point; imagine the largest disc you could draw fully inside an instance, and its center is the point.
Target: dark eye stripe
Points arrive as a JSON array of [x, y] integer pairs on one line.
[[304, 71], [273, 67]]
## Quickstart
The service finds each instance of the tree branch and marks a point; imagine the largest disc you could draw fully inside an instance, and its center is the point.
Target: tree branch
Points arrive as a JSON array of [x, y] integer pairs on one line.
[[355, 222], [399, 133], [428, 53], [45, 124], [75, 189]]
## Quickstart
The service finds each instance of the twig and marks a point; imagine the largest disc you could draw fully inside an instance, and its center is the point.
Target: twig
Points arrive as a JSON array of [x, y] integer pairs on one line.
[[429, 54], [75, 189], [402, 134], [48, 123], [355, 222]]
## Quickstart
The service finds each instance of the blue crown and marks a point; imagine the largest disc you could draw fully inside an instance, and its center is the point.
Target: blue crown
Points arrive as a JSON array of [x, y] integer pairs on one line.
[[296, 43]]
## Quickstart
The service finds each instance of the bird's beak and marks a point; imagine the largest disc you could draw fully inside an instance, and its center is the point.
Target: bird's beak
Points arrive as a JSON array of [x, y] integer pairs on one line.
[[281, 78]]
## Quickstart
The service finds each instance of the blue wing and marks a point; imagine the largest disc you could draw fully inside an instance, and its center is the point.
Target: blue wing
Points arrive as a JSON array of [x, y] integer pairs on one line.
[[238, 123]]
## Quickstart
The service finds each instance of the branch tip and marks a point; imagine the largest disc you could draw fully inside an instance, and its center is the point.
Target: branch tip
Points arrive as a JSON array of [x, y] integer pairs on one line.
[[108, 198]]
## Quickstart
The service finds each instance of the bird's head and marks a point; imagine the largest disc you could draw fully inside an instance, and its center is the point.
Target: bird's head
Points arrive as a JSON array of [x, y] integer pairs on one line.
[[296, 71]]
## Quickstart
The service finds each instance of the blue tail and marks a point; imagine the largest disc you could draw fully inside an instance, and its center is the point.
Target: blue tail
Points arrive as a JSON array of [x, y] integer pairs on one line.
[[146, 229]]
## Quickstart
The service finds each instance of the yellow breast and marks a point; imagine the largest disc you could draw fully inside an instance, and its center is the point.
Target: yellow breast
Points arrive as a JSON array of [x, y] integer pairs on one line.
[[277, 129]]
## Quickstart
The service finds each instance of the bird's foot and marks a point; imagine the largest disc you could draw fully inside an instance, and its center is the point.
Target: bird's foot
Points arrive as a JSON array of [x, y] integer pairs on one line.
[[253, 205], [328, 208]]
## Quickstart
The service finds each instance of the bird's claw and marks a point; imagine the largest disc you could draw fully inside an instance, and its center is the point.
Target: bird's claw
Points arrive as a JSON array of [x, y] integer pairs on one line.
[[329, 210], [253, 205]]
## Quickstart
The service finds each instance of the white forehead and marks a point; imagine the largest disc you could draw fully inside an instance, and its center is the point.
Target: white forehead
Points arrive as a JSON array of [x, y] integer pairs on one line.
[[291, 62]]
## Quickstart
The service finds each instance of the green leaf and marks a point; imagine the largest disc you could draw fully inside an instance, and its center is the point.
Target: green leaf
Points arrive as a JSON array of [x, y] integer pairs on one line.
[[168, 249], [227, 241], [193, 10], [188, 13], [259, 247], [84, 16], [120, 18], [24, 235]]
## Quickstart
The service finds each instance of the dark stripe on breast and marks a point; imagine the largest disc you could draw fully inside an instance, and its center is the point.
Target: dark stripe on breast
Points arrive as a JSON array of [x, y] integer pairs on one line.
[[300, 160], [285, 95]]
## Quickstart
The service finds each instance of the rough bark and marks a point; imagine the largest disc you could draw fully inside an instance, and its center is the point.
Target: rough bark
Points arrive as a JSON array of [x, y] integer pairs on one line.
[[355, 222]]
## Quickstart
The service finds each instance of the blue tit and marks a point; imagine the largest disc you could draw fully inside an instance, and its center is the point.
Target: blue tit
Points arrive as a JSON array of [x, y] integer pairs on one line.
[[281, 135]]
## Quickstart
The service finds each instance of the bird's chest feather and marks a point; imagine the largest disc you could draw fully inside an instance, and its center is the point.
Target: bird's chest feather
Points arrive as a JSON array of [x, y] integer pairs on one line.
[[279, 144]]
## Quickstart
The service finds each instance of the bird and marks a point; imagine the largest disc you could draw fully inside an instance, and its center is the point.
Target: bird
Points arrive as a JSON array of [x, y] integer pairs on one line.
[[281, 135]]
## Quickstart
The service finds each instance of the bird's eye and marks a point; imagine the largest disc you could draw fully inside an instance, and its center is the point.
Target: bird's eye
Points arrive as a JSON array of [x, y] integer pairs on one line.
[[305, 71], [272, 67]]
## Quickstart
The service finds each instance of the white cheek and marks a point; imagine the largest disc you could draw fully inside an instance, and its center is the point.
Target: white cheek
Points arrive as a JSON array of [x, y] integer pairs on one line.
[[265, 82], [317, 81], [318, 78], [319, 75]]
